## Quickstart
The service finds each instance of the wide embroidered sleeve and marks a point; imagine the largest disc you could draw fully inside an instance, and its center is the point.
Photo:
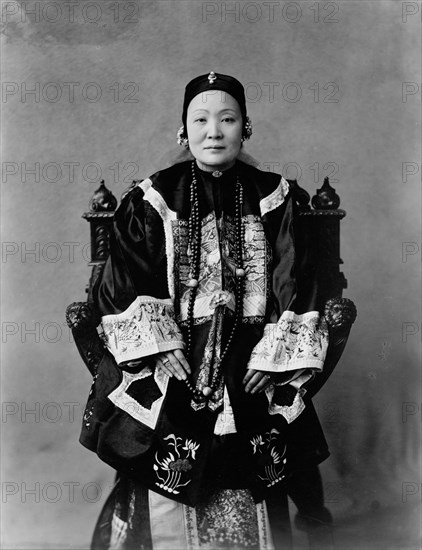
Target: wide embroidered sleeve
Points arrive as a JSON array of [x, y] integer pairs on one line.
[[295, 340], [134, 293]]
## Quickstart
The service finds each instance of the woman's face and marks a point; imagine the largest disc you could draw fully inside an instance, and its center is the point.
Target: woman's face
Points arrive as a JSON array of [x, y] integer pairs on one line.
[[214, 127]]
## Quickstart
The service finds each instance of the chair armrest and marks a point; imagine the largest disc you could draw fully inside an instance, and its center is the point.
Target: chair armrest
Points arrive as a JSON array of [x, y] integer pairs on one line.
[[82, 319], [340, 314]]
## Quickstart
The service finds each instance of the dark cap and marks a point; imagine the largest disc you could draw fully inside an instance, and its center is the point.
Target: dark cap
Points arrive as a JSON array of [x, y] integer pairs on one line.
[[214, 81]]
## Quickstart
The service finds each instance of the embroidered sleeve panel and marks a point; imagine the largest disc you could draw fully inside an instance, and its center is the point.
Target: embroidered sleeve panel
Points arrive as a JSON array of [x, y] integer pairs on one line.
[[218, 265], [289, 412], [147, 327], [275, 199], [168, 216], [294, 342], [141, 395]]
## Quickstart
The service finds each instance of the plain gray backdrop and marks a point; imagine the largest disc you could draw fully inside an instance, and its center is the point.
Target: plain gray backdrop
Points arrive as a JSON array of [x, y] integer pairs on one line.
[[332, 88]]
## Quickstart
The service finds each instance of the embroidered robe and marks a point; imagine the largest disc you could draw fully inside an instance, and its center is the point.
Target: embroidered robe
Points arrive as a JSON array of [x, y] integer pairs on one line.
[[169, 442]]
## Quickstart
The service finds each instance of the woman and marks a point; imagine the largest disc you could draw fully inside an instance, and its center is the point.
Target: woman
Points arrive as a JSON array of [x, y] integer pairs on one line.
[[209, 312]]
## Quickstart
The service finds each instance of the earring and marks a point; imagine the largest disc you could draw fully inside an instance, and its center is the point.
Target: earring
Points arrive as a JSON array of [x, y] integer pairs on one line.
[[247, 129], [181, 138]]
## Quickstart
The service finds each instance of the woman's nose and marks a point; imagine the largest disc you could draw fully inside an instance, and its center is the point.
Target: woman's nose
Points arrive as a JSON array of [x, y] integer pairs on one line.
[[214, 130]]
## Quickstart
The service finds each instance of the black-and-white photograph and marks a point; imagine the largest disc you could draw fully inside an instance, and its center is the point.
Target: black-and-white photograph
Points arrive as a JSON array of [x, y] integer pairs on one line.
[[211, 275]]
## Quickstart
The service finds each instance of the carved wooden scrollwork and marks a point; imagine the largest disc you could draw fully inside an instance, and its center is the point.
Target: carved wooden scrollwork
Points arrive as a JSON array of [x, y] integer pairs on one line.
[[340, 313], [82, 318], [101, 236]]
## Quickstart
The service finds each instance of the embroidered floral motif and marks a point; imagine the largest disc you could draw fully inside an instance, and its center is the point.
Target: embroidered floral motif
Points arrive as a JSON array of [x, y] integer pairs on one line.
[[269, 460], [296, 341], [175, 466]]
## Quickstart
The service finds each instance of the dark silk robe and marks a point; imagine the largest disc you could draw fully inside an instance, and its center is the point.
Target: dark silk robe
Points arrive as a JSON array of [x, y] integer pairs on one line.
[[145, 424]]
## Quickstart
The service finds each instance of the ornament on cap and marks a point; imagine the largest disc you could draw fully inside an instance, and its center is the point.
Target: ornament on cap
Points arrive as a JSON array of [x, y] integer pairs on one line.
[[212, 77]]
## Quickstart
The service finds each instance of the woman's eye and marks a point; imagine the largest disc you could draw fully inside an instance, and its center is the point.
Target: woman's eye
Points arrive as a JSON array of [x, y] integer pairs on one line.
[[200, 119], [228, 119]]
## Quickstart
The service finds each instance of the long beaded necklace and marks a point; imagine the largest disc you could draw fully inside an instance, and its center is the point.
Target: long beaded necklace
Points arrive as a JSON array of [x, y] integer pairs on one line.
[[194, 244]]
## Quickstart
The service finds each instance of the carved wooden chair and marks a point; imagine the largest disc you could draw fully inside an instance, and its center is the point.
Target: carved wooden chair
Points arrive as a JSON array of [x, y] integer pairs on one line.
[[318, 226]]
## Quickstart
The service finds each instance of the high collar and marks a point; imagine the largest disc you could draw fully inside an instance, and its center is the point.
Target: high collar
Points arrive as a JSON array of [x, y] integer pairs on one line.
[[226, 176]]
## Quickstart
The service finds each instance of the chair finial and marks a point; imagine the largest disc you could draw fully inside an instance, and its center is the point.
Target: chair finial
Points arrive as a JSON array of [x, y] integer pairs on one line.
[[326, 198], [102, 200]]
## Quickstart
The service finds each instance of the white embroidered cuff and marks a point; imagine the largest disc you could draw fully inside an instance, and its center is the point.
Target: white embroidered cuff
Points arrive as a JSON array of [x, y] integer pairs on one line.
[[294, 342], [145, 328]]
